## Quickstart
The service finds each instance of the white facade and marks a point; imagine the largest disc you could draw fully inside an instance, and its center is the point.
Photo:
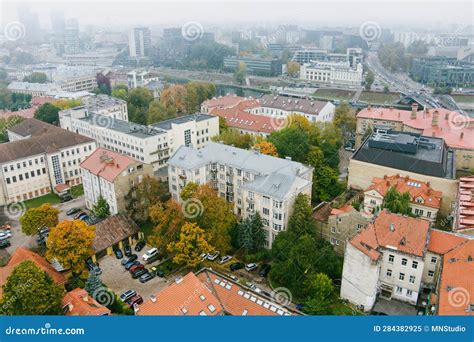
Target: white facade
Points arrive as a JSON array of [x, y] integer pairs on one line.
[[337, 74], [139, 41], [326, 114]]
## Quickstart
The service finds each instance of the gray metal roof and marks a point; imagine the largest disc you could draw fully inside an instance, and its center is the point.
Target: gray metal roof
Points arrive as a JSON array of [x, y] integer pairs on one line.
[[166, 124]]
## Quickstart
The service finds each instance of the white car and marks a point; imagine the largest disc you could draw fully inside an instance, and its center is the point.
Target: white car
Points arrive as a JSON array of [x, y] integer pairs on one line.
[[224, 259], [6, 234], [150, 254], [250, 267], [212, 256]]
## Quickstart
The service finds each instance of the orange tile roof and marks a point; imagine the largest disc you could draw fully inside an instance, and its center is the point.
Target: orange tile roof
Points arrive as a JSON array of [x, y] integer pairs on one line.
[[415, 188], [345, 209], [226, 101], [394, 231], [456, 129], [189, 295], [442, 242], [80, 303], [456, 291], [465, 210], [240, 119], [107, 164], [22, 254]]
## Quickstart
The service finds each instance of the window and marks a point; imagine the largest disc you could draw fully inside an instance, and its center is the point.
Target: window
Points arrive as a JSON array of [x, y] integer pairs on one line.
[[277, 216], [266, 211], [399, 290], [414, 265], [401, 276], [404, 262], [187, 137], [412, 279], [391, 258], [431, 274], [333, 229], [433, 260], [389, 273], [409, 293], [211, 308]]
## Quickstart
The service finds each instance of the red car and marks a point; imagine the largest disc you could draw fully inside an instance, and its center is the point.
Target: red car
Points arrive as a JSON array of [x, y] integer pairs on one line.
[[136, 267], [137, 299]]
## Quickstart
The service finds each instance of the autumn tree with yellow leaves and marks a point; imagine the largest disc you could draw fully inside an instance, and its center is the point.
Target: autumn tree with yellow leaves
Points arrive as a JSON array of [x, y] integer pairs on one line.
[[193, 241], [39, 217], [266, 147]]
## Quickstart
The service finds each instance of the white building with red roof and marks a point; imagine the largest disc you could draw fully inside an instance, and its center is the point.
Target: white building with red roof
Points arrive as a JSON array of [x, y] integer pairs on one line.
[[455, 129], [111, 175], [424, 201]]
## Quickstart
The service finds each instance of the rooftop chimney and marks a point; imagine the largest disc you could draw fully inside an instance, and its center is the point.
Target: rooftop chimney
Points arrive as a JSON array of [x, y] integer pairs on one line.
[[414, 109], [392, 227], [462, 135], [435, 120]]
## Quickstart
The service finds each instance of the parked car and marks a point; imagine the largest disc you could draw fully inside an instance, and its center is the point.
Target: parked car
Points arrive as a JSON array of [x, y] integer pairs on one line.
[[93, 267], [157, 271], [139, 273], [85, 218], [65, 198], [130, 264], [236, 266], [136, 267], [149, 254], [132, 257], [72, 211], [128, 250], [137, 299], [212, 256], [224, 259], [250, 267], [6, 234], [147, 277], [76, 217], [127, 295], [139, 246], [4, 244], [264, 270], [118, 253]]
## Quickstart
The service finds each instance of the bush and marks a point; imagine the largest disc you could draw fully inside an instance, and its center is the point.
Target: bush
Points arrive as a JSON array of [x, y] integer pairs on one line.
[[118, 307]]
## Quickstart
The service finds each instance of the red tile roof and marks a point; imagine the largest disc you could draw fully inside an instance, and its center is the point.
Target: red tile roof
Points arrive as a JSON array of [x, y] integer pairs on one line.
[[227, 101], [456, 291], [240, 119], [442, 242], [80, 303], [393, 231], [416, 189], [22, 254], [345, 209], [465, 210], [107, 164], [456, 129]]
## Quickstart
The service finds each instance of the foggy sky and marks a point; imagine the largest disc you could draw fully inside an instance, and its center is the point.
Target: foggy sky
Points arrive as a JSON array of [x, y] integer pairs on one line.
[[121, 14]]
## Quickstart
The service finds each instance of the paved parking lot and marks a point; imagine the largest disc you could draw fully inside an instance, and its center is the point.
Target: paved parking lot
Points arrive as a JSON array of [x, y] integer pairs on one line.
[[117, 278]]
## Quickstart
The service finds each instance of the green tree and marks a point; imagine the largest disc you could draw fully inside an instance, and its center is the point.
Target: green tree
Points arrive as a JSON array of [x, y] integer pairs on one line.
[[48, 113], [291, 142], [30, 291], [120, 91], [240, 73], [188, 191], [397, 202], [93, 283], [138, 102], [233, 137], [369, 80], [101, 208], [345, 120], [251, 235], [36, 77], [158, 112], [36, 218], [301, 221], [321, 296], [6, 123], [326, 184], [292, 69], [222, 124]]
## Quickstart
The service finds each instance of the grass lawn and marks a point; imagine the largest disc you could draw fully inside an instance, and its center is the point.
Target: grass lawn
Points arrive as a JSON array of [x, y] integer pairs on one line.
[[334, 94], [463, 98], [379, 98], [77, 190], [147, 228], [36, 202]]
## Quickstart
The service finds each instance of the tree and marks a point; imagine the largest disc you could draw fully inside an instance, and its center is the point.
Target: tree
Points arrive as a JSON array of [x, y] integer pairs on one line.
[[174, 96], [386, 89], [70, 243], [345, 120], [30, 291], [233, 137], [207, 56], [291, 142], [48, 113], [326, 184], [321, 295], [168, 219], [266, 147], [222, 124], [36, 218], [197, 93], [369, 80], [120, 91], [301, 220], [298, 121], [193, 241], [67, 103], [251, 235], [101, 208], [36, 77], [396, 202], [158, 112], [418, 48], [6, 123], [93, 283], [292, 69], [188, 191], [138, 102], [143, 195], [240, 73]]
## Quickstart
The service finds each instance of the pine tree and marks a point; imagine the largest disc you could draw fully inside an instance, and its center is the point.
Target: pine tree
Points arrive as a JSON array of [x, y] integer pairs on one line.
[[93, 283]]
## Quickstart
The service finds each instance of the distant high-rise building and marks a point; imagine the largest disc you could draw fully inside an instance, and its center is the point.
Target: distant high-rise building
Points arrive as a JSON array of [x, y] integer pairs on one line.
[[71, 36], [139, 42], [30, 21]]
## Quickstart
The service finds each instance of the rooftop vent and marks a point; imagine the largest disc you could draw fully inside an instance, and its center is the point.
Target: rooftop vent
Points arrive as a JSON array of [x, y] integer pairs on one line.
[[392, 227]]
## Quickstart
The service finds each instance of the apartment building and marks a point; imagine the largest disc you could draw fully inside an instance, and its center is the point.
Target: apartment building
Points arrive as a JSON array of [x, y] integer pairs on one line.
[[107, 106], [424, 201], [332, 73], [455, 129], [251, 181], [111, 175], [40, 158], [464, 208], [152, 144]]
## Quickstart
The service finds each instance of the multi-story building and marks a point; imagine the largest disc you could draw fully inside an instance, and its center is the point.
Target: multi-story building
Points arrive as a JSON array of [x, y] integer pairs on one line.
[[464, 208], [424, 201], [152, 144], [34, 89], [307, 55], [332, 73], [107, 106], [443, 71], [145, 79], [251, 181], [426, 159], [457, 130], [255, 65], [139, 42], [111, 175], [40, 158]]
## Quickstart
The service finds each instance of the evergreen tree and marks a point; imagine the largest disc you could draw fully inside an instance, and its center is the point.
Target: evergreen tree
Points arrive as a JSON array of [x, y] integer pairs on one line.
[[93, 283], [102, 208]]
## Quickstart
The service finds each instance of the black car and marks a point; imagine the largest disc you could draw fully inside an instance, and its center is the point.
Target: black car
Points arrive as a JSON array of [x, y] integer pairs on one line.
[[65, 198], [139, 273], [128, 250], [4, 244], [72, 211], [236, 266], [264, 270], [93, 267], [132, 257], [139, 246], [118, 254], [146, 277], [129, 265]]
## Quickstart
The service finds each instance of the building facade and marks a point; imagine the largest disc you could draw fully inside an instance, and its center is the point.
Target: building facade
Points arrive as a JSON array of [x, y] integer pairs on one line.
[[139, 42], [332, 73], [255, 65], [251, 181]]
